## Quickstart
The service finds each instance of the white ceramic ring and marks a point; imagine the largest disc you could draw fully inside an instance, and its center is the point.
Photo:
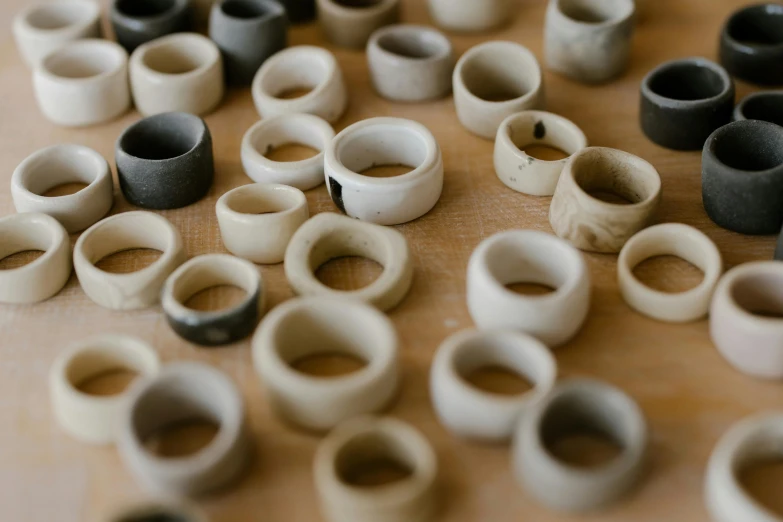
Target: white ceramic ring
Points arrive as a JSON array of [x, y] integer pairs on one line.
[[160, 511]]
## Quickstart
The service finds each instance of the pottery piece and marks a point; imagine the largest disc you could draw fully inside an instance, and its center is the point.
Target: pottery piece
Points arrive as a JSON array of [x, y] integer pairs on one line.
[[161, 511], [469, 16], [764, 106], [299, 11], [136, 23], [349, 23], [779, 247], [751, 44]]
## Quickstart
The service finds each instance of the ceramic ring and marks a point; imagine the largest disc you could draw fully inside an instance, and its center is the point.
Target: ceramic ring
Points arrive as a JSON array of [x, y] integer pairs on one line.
[[468, 16], [136, 23], [751, 45], [764, 106], [299, 11], [348, 23], [159, 510]]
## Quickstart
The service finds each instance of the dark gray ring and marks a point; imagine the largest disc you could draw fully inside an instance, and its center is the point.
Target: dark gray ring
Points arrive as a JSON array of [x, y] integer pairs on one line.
[[299, 11], [136, 22], [764, 106], [751, 44]]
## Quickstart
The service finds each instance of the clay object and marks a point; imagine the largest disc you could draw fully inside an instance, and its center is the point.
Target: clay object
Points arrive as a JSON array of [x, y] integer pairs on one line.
[[751, 44], [299, 11], [165, 161], [764, 106], [779, 247], [410, 63], [469, 16], [159, 511], [684, 101], [594, 225], [589, 40], [349, 23], [247, 32], [137, 22], [742, 177]]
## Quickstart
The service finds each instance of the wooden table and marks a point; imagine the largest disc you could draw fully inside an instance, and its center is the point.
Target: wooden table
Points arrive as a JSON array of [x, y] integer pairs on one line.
[[688, 392]]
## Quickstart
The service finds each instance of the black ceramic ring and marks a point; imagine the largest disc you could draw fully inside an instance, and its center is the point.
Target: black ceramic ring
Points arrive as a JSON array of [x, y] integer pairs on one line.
[[136, 22], [247, 33], [764, 106], [751, 44], [684, 101], [742, 177], [299, 11], [165, 161]]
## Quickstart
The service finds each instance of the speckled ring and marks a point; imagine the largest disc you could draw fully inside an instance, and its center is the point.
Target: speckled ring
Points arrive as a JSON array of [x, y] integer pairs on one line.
[[763, 105]]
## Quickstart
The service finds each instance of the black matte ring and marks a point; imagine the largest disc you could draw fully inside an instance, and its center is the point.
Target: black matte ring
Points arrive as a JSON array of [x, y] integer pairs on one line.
[[751, 44], [136, 22], [764, 106], [684, 101], [165, 161], [742, 177], [299, 11]]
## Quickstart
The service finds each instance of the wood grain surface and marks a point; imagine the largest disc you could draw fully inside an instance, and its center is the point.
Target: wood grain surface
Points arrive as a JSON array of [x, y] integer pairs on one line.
[[688, 392]]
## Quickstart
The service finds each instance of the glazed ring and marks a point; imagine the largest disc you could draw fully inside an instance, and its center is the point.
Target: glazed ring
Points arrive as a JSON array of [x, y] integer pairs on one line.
[[329, 236], [160, 511], [579, 406], [91, 418], [377, 142], [473, 413], [220, 327], [127, 231], [184, 392], [322, 325], [364, 440], [43, 277]]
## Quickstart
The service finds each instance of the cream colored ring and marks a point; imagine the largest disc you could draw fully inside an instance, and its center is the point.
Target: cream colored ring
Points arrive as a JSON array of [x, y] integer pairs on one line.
[[90, 418], [328, 236], [43, 277], [57, 165], [364, 439], [308, 326], [127, 231], [670, 239], [160, 511]]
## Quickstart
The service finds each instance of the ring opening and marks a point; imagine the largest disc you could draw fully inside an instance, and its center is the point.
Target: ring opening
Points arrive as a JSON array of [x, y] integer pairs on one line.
[[105, 372], [496, 366], [83, 60], [25, 236], [668, 273], [497, 74], [214, 273], [151, 140], [296, 74], [287, 132], [764, 107], [339, 245], [127, 233], [599, 174], [749, 146], [145, 8], [359, 4], [757, 25], [759, 294], [413, 44], [530, 133], [245, 9], [156, 515], [687, 81], [59, 166], [385, 145], [536, 262], [53, 16], [261, 201], [594, 11], [374, 459], [178, 55], [759, 470]]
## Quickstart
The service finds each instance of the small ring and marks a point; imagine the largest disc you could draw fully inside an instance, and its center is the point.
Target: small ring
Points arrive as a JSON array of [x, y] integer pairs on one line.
[[470, 412], [127, 231], [328, 236], [762, 105], [524, 173], [471, 17], [160, 511], [528, 256], [574, 407], [384, 141], [304, 129], [361, 441], [42, 278], [183, 392], [313, 325], [57, 165], [219, 327], [301, 67], [136, 23], [90, 418], [350, 24]]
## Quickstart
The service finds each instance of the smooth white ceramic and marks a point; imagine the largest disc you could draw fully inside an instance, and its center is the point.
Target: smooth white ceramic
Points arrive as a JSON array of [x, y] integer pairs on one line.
[[471, 16]]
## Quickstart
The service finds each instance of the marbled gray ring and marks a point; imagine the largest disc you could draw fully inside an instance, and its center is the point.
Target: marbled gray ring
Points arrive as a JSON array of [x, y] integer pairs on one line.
[[136, 22]]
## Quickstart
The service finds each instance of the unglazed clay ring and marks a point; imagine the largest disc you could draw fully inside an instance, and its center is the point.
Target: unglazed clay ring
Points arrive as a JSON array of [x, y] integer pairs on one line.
[[764, 106], [91, 418], [751, 342], [467, 16], [329, 236], [267, 134], [257, 221], [528, 256], [678, 240], [44, 277], [522, 172], [160, 511], [580, 406], [350, 24], [307, 326], [185, 392], [592, 224], [222, 326], [299, 68], [384, 141], [473, 413], [58, 165], [751, 47], [360, 441], [494, 80], [127, 231]]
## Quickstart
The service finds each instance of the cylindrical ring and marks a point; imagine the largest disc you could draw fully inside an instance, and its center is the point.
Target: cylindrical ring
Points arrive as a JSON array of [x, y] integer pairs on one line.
[[267, 134], [127, 231], [90, 418], [494, 80], [522, 172], [218, 327], [751, 45], [57, 165], [350, 24], [751, 342], [297, 68], [384, 141], [83, 83], [184, 392], [764, 106], [328, 236], [136, 23], [43, 277], [257, 221], [182, 72], [470, 412], [360, 441], [678, 240], [580, 406], [307, 326], [598, 226], [469, 16], [529, 256], [161, 511]]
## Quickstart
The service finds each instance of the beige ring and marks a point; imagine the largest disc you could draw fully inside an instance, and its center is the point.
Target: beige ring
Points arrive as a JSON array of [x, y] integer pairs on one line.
[[350, 24], [159, 511]]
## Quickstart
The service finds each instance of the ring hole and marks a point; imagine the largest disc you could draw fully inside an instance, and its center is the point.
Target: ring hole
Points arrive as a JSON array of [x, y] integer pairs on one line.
[[128, 261], [179, 56], [499, 73], [759, 294], [758, 25], [750, 146], [20, 259], [51, 17], [144, 8], [612, 178], [294, 92], [245, 9], [181, 439], [81, 61], [530, 288], [65, 189], [387, 171], [498, 380], [290, 152], [373, 460], [687, 82], [163, 137], [584, 450], [349, 273], [417, 46], [593, 11], [669, 274], [544, 152], [155, 516], [324, 365], [107, 383], [762, 481], [609, 197], [358, 4], [222, 297], [764, 107]]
